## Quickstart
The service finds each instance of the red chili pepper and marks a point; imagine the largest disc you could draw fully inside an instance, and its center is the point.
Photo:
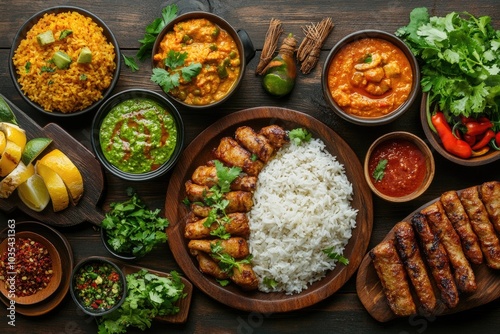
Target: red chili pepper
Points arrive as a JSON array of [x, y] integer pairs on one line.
[[451, 144], [471, 140], [497, 139], [488, 135], [475, 128]]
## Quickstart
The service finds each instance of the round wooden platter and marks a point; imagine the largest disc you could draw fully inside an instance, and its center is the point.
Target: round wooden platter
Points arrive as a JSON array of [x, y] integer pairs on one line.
[[372, 296], [89, 166], [65, 253], [199, 152]]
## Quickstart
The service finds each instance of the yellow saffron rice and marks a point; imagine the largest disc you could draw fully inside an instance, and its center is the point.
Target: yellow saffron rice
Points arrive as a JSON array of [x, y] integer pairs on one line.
[[78, 86]]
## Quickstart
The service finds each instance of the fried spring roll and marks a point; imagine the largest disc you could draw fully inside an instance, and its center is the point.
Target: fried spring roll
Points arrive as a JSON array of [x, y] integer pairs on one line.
[[236, 247], [276, 135], [254, 142], [489, 193], [393, 278], [443, 229], [237, 226], [207, 176], [408, 250], [232, 154], [437, 259], [460, 221], [481, 225]]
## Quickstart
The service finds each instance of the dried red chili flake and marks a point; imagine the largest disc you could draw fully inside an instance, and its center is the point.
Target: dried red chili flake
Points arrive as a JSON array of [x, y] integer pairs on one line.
[[32, 267]]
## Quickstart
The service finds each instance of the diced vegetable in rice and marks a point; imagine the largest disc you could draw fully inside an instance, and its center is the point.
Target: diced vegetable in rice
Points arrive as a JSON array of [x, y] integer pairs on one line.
[[302, 205]]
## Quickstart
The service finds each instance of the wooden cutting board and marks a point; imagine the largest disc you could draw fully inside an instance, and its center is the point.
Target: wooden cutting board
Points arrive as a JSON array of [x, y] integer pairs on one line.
[[89, 166], [372, 297]]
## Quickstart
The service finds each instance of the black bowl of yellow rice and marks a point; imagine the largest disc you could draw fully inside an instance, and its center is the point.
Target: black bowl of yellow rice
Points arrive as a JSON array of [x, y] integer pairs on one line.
[[64, 61]]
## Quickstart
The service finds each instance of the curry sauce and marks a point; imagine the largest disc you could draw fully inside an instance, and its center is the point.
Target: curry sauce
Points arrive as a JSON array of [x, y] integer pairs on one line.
[[370, 77]]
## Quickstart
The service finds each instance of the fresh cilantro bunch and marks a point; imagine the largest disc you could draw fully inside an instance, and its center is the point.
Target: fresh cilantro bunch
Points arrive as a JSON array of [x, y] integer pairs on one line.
[[131, 228], [460, 61], [168, 13], [148, 295], [169, 78]]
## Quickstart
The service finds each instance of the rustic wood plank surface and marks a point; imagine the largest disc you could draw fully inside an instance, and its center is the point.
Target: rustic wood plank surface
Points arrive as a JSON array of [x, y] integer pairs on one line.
[[342, 312]]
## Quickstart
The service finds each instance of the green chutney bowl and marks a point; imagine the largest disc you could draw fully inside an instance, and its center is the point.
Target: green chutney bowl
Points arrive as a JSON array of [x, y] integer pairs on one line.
[[137, 135]]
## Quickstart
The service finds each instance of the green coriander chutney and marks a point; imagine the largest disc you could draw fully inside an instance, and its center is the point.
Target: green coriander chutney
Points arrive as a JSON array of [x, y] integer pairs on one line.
[[138, 135]]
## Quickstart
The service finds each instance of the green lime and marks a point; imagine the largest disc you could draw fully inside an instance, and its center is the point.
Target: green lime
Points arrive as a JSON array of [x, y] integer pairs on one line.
[[6, 114], [33, 149], [277, 84]]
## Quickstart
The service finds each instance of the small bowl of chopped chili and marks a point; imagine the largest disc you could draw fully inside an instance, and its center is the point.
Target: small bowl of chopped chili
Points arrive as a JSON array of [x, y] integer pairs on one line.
[[199, 59], [370, 78], [138, 135], [36, 264], [399, 166], [98, 286]]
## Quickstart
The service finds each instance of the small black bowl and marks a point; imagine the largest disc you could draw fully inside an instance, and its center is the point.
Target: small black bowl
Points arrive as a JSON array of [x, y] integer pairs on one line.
[[243, 42], [133, 94], [121, 256], [96, 260], [21, 34]]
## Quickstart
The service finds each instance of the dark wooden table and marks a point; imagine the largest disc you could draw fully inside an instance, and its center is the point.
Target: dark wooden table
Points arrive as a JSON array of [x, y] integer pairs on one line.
[[342, 312]]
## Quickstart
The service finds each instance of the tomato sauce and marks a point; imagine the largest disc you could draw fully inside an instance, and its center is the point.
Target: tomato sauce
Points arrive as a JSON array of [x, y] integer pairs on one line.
[[405, 170]]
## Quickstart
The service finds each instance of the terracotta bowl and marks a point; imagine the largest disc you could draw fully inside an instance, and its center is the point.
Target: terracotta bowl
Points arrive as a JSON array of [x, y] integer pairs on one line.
[[243, 42], [379, 120], [55, 280], [93, 261], [22, 35], [435, 142], [429, 165]]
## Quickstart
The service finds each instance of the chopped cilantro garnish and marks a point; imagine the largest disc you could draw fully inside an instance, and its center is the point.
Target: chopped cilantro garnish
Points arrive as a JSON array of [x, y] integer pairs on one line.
[[379, 171]]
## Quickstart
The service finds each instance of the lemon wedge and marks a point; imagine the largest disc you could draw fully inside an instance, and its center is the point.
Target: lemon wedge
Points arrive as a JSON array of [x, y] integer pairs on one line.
[[19, 175], [11, 156], [66, 169], [14, 133], [33, 193], [55, 186]]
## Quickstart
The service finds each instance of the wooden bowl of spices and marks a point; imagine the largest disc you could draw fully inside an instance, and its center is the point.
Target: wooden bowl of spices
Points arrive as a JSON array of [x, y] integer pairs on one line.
[[31, 268], [399, 167]]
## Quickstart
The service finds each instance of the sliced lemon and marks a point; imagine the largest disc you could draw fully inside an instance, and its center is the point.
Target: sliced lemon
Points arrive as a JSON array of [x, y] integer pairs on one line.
[[19, 175], [55, 185], [34, 193], [3, 142], [14, 133], [66, 169], [34, 148], [10, 158]]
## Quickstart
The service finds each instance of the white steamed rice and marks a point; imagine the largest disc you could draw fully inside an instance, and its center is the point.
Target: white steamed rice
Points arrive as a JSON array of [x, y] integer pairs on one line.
[[301, 206]]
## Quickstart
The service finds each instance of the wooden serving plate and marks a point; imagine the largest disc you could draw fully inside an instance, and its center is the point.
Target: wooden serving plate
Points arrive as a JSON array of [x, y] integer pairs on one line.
[[66, 254], [373, 298], [199, 152], [90, 168], [183, 303], [56, 269]]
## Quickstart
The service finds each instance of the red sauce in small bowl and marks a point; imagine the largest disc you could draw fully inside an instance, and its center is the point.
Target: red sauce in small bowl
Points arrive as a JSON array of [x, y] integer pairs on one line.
[[405, 170]]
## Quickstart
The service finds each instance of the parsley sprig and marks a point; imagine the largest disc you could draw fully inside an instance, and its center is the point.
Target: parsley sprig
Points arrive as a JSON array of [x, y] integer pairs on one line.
[[227, 263], [175, 62], [168, 13], [336, 256], [300, 135], [132, 228], [378, 173], [148, 295]]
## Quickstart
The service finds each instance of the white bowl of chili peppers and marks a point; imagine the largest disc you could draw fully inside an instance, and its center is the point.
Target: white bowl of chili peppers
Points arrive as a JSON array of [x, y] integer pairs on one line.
[[98, 286]]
